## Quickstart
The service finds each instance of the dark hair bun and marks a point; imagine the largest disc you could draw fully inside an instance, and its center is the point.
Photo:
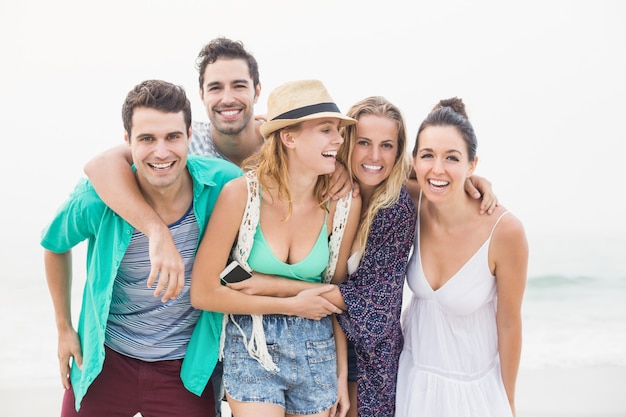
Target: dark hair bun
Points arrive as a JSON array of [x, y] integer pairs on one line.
[[454, 103]]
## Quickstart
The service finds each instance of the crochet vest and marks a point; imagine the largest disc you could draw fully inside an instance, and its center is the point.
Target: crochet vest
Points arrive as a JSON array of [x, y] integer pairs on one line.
[[257, 347]]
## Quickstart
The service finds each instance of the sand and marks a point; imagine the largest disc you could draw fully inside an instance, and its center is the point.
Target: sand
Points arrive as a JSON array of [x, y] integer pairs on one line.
[[588, 392]]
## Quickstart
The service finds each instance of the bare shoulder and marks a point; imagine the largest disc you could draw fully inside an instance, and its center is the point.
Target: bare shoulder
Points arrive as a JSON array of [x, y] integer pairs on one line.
[[510, 229], [508, 256], [236, 185], [356, 205], [235, 192]]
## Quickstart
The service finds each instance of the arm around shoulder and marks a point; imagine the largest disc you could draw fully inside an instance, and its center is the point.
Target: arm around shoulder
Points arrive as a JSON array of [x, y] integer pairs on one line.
[[114, 180]]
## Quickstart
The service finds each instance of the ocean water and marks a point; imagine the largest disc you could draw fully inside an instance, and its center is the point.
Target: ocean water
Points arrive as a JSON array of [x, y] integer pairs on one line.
[[570, 320], [574, 321]]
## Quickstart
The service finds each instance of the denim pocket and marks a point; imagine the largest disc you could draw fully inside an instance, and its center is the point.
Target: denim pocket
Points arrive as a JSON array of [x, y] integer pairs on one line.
[[242, 366], [322, 358]]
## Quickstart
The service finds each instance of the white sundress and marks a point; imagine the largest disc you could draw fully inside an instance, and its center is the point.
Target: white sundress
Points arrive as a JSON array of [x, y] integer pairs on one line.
[[449, 366]]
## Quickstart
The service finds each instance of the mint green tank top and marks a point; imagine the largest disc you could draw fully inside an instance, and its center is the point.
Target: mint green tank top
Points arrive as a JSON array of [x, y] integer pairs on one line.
[[263, 260]]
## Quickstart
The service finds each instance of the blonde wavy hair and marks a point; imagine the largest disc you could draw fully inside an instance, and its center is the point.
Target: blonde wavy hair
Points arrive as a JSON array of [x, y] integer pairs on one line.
[[387, 192], [270, 164]]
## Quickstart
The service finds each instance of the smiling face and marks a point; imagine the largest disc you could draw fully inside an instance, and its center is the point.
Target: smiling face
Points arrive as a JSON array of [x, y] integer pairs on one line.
[[228, 95], [442, 163], [315, 144], [158, 142], [375, 150]]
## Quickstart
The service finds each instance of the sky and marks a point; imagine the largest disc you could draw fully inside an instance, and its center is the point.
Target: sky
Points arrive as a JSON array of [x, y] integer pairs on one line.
[[543, 81]]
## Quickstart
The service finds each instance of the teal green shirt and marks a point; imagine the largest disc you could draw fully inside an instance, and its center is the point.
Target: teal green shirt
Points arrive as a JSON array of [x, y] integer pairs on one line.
[[85, 216], [263, 260]]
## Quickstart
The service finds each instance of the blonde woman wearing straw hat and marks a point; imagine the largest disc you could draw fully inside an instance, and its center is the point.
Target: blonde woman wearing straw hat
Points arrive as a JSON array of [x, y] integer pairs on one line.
[[279, 353]]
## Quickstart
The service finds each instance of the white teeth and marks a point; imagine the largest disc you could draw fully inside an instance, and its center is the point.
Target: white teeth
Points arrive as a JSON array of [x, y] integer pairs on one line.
[[162, 166], [229, 112], [330, 153], [437, 183], [372, 167]]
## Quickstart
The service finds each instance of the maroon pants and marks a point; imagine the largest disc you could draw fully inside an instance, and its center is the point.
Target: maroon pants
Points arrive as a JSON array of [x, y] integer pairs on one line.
[[128, 386]]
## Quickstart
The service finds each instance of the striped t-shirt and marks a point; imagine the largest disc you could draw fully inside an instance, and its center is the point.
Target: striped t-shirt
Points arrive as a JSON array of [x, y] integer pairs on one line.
[[140, 325], [202, 141]]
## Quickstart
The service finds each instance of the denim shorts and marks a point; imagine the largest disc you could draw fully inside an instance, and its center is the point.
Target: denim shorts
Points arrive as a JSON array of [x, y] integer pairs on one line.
[[304, 351]]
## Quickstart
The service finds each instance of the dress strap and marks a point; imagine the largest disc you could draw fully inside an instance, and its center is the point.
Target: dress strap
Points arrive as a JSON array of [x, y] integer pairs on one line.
[[496, 223]]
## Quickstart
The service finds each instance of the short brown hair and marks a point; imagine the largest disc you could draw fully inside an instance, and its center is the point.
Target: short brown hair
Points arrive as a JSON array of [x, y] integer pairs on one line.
[[225, 48], [159, 95]]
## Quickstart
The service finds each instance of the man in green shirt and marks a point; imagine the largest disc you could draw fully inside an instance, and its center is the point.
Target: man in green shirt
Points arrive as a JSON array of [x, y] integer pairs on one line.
[[137, 330]]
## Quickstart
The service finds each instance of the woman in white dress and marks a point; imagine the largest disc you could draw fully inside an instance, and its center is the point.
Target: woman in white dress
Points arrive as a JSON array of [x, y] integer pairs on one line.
[[462, 328]]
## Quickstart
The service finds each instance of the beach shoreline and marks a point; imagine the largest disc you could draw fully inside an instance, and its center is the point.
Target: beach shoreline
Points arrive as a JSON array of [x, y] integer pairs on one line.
[[556, 392]]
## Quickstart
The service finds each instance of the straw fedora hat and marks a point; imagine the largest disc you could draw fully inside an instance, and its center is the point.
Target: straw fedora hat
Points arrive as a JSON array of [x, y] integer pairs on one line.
[[297, 101]]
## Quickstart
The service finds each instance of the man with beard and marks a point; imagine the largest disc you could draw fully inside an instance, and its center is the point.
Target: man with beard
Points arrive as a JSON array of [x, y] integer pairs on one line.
[[229, 88]]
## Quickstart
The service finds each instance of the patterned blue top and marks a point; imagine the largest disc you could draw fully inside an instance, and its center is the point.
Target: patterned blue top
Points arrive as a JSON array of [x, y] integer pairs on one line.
[[373, 295]]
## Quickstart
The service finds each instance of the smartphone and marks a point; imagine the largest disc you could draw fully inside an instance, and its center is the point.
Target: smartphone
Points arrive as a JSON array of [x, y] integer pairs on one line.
[[234, 273]]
